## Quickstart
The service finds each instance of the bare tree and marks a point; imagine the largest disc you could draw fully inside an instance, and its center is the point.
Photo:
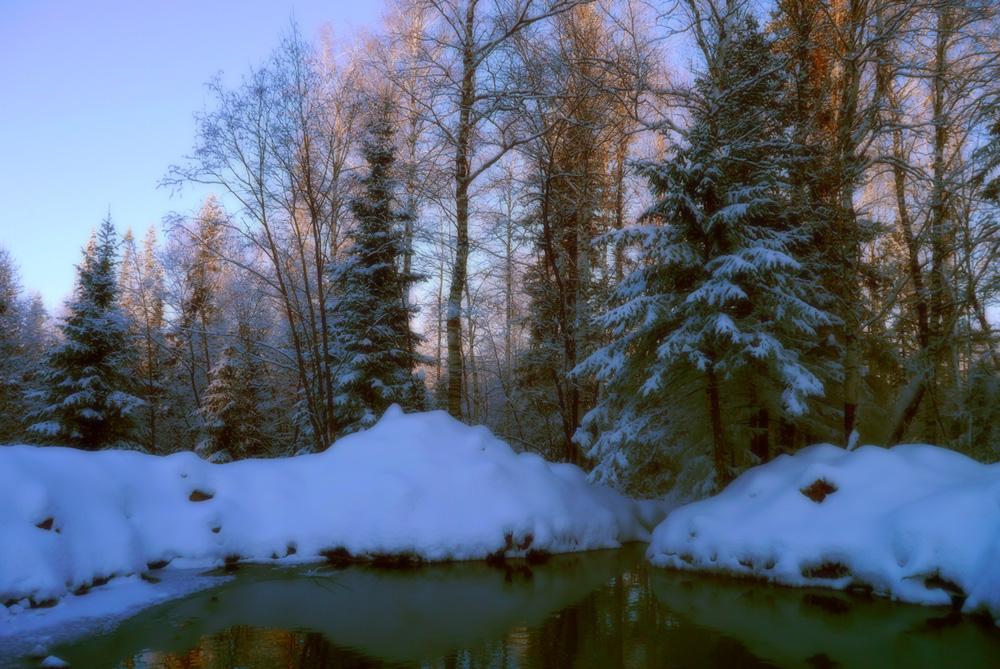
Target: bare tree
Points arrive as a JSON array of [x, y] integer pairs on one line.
[[142, 298], [938, 72], [278, 145], [465, 55]]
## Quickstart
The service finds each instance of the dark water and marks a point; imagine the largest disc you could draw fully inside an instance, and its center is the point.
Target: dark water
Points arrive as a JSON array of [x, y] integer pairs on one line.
[[601, 609]]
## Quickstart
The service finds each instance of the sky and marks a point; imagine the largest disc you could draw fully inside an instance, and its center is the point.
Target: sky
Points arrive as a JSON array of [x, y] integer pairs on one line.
[[97, 100]]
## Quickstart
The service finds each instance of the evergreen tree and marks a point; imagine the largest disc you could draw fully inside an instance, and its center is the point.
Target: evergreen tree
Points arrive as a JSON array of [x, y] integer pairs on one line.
[[719, 308], [25, 339], [38, 340], [11, 351], [234, 421], [989, 158], [85, 392], [37, 335], [369, 311]]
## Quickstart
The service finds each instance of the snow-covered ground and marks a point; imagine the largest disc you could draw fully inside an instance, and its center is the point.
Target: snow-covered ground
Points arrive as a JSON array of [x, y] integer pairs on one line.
[[917, 523], [23, 631], [422, 485]]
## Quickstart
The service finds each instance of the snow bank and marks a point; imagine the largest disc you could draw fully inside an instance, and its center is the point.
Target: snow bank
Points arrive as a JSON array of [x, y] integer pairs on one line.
[[918, 523], [32, 632], [422, 485]]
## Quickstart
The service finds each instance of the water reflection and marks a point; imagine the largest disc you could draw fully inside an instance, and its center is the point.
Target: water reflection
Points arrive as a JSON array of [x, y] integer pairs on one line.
[[603, 609], [822, 628]]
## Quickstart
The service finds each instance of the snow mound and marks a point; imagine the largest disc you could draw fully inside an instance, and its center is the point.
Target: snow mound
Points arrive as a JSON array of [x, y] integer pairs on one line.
[[422, 485], [917, 523]]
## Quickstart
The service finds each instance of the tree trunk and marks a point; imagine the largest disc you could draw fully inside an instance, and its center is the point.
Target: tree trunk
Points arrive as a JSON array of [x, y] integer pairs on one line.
[[473, 389], [852, 384], [722, 474], [462, 183], [759, 439], [937, 224], [848, 139]]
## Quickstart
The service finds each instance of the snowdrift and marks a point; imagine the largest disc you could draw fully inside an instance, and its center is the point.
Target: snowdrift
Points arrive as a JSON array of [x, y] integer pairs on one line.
[[916, 523], [421, 486]]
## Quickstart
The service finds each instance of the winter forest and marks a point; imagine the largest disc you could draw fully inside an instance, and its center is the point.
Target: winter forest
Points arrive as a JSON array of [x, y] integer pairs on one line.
[[663, 241]]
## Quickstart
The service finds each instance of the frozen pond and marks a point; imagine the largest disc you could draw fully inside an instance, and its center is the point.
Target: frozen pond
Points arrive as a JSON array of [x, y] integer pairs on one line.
[[597, 609]]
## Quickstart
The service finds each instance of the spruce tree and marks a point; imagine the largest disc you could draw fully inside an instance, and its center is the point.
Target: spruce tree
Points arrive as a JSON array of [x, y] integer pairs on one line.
[[234, 421], [38, 340], [369, 310], [11, 351], [87, 403], [719, 307], [989, 159]]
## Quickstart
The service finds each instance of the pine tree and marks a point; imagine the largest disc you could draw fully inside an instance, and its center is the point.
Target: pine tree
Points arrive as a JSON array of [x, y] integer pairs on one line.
[[37, 335], [369, 311], [25, 339], [85, 383], [234, 422], [989, 158], [38, 340], [11, 351], [720, 307]]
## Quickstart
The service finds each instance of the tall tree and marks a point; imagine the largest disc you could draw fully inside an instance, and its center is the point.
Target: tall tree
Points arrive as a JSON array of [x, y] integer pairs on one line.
[[719, 303], [200, 313], [12, 350], [87, 398], [142, 298], [956, 69], [369, 309], [574, 197], [278, 145], [465, 60]]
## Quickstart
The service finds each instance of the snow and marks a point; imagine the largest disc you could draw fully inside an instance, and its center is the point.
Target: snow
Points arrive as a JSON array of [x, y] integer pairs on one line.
[[30, 632], [422, 485], [917, 523]]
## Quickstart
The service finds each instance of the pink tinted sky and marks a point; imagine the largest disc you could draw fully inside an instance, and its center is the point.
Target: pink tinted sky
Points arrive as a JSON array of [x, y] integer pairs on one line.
[[97, 100]]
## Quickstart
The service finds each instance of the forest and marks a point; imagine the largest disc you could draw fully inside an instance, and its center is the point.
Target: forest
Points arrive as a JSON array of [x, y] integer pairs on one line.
[[663, 241]]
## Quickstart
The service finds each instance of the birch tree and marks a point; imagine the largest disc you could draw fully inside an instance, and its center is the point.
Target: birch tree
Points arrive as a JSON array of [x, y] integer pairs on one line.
[[278, 145], [464, 56]]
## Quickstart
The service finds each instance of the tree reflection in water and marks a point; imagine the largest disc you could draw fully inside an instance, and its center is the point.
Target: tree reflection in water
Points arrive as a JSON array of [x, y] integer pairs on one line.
[[603, 609]]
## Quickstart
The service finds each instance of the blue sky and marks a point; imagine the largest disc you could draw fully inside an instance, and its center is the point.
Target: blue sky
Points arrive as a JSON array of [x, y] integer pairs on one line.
[[97, 101]]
